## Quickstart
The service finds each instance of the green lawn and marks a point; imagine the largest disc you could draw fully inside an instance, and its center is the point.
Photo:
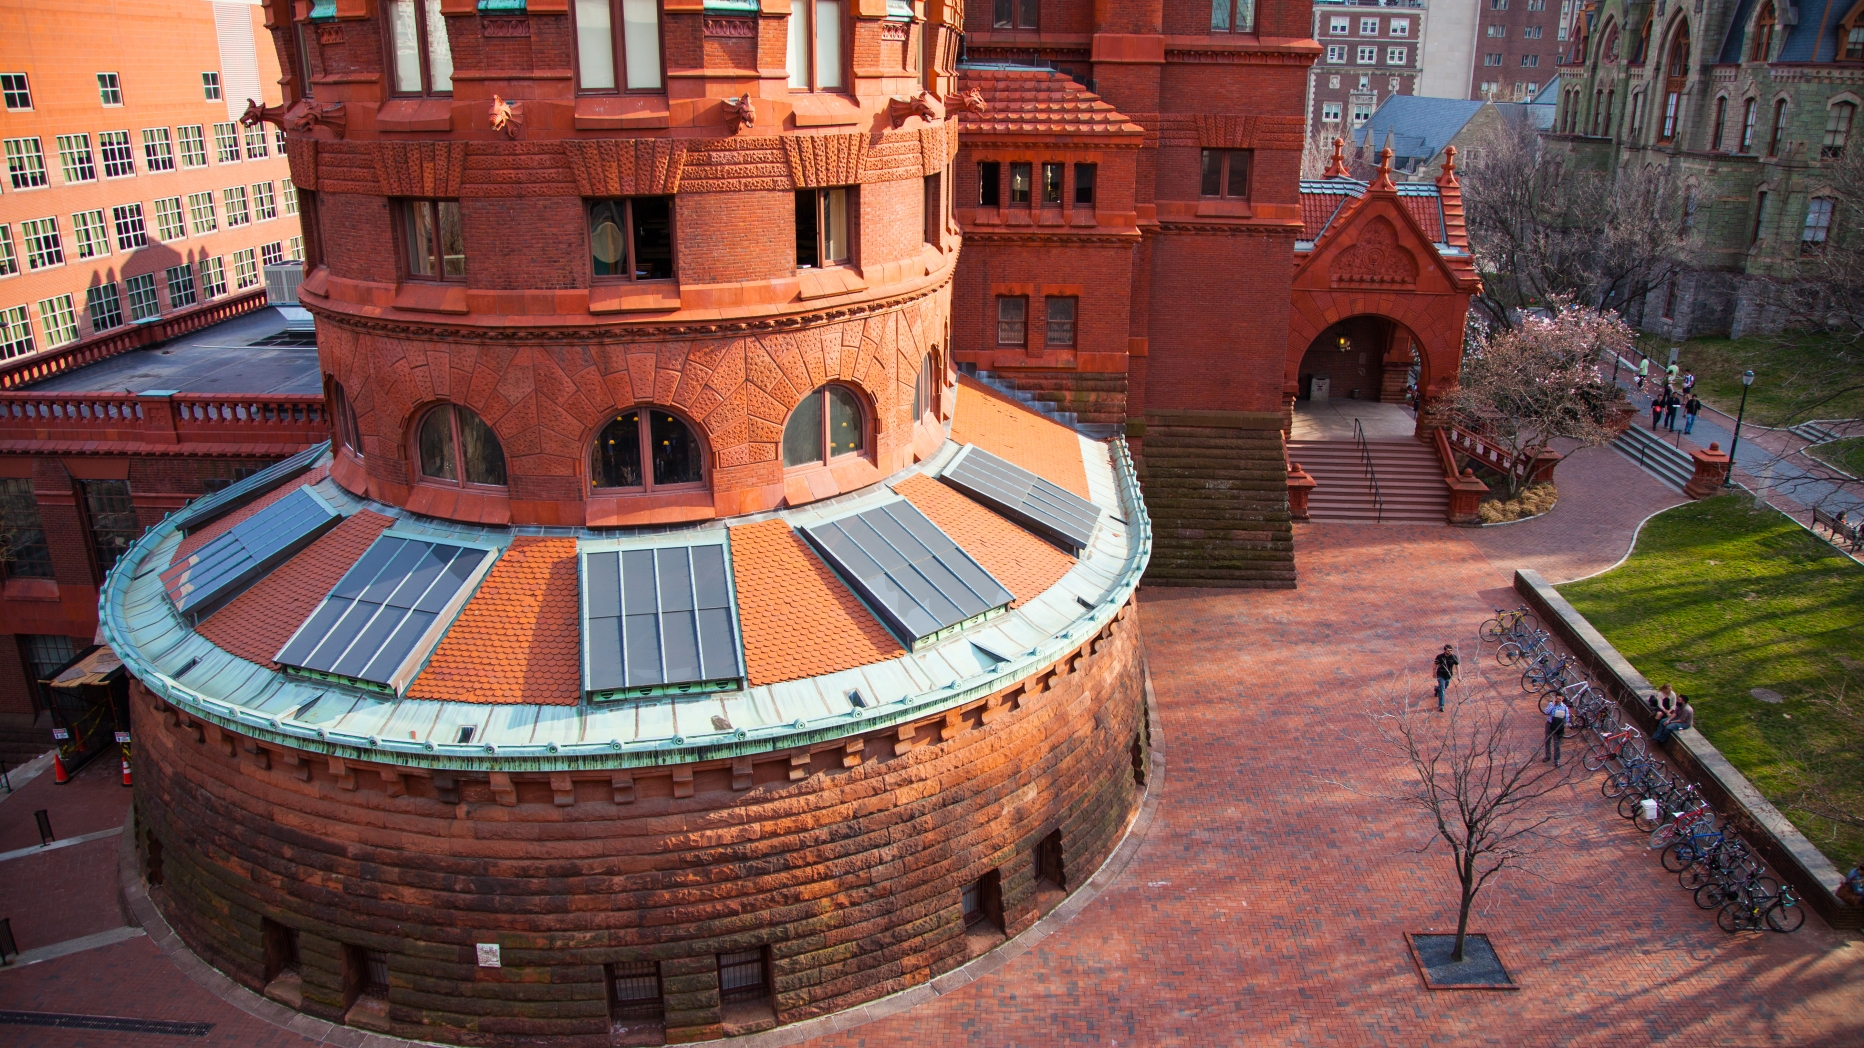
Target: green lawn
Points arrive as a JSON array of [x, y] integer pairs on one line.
[[1790, 374], [1720, 598], [1846, 454]]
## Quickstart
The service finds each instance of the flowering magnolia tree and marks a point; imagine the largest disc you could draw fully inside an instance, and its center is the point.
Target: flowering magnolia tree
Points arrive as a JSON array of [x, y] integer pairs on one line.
[[1541, 381]]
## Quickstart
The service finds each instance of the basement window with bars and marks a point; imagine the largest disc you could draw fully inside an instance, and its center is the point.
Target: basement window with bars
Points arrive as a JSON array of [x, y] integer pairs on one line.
[[743, 975], [634, 991]]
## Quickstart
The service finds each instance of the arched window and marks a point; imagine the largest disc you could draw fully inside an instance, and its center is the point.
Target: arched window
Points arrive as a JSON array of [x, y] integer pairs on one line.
[[1643, 42], [1676, 74], [1763, 34], [1837, 129], [1721, 117], [662, 454], [1777, 137], [457, 447], [1609, 52], [925, 390], [343, 417], [1747, 125], [826, 425]]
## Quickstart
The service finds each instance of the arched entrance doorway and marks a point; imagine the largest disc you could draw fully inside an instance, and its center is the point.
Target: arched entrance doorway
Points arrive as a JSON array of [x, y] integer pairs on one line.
[[1366, 357]]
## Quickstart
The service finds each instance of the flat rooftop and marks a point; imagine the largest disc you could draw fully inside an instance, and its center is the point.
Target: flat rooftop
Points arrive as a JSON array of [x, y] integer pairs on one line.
[[251, 353]]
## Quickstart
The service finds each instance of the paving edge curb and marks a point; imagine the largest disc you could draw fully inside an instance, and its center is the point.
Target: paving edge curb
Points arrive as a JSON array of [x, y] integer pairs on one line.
[[142, 911]]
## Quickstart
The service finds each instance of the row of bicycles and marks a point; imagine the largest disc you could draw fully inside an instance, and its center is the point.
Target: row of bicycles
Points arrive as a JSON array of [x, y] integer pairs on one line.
[[1710, 860]]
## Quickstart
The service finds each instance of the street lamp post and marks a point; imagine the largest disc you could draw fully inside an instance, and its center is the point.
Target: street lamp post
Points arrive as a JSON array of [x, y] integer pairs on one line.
[[1747, 379]]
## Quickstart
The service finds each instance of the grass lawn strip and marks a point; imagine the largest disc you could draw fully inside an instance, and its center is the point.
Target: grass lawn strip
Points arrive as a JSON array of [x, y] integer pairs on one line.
[[1787, 374], [1846, 454], [1721, 597]]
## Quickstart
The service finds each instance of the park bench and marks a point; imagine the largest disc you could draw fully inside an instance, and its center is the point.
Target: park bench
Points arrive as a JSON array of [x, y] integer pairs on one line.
[[1848, 534]]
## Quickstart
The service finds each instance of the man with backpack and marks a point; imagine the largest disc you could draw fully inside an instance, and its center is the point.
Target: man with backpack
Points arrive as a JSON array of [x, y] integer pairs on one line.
[[1557, 713]]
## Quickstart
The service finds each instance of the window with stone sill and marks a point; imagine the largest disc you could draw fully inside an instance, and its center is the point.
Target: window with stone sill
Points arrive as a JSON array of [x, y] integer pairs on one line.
[[24, 553], [617, 45], [1012, 320], [75, 161], [59, 317], [432, 238], [1749, 112], [110, 89], [1058, 313], [1084, 177], [815, 55], [664, 454], [744, 975], [631, 238], [823, 236], [111, 517], [1224, 173], [1777, 137], [1022, 174], [256, 148], [1018, 14], [420, 55], [103, 307], [989, 183], [158, 150], [826, 426], [193, 145], [226, 143], [1368, 27], [1339, 25], [348, 433], [143, 304], [15, 331], [1818, 226], [264, 201], [455, 447], [1838, 120], [17, 91], [92, 236], [210, 86], [1336, 54], [131, 231], [25, 163], [180, 285], [1232, 16], [1051, 184], [9, 258]]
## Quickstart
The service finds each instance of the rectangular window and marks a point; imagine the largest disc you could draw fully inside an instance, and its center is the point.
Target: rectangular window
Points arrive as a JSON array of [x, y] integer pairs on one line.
[[110, 89], [119, 156], [1362, 112], [74, 159], [193, 145], [158, 151], [989, 183], [1368, 27], [1368, 55], [1533, 32], [16, 91], [421, 54], [1051, 183], [601, 51], [15, 332], [1530, 61], [180, 285], [9, 261], [1491, 59], [142, 301], [226, 142], [131, 233], [170, 224], [1012, 320], [100, 301], [1224, 173], [1339, 25], [23, 551], [1818, 224], [291, 197], [1536, 5], [1401, 27], [1058, 313], [1232, 16], [1747, 126], [264, 202], [213, 274], [255, 143], [278, 140], [1022, 173], [1330, 112], [201, 213], [234, 206], [815, 45], [1014, 14], [44, 249], [1497, 31], [634, 991], [1498, 5], [1084, 176], [1336, 53], [1837, 129], [295, 248], [933, 208], [112, 517], [743, 976], [436, 248], [245, 268], [59, 318], [1395, 56], [210, 86], [822, 234], [272, 254], [25, 163], [1778, 136]]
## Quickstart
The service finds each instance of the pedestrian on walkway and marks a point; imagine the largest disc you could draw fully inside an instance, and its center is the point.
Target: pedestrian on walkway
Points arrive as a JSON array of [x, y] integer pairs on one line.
[[1690, 411], [1446, 669], [1684, 717], [1669, 376], [1656, 411], [1557, 713], [1643, 372], [1689, 382], [1670, 403]]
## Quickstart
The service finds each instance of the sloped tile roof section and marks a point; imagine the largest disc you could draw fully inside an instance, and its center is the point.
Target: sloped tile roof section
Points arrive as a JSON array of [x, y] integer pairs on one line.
[[1321, 201], [914, 577], [1010, 431], [238, 494], [1058, 515], [515, 641], [223, 568], [658, 620], [1022, 561], [259, 621], [797, 618], [1025, 101], [1424, 202], [219, 526]]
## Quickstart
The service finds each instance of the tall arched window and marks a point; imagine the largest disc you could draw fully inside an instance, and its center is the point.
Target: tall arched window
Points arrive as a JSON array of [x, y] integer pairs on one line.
[[1837, 129], [1676, 74], [1763, 34], [1721, 118], [826, 425], [343, 416], [662, 454], [1643, 42], [1777, 137], [925, 390], [457, 447], [1609, 52], [1747, 125]]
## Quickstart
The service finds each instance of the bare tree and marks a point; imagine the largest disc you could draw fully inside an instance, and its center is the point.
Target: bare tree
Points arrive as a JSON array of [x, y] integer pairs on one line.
[[1524, 387], [1478, 777], [1542, 232]]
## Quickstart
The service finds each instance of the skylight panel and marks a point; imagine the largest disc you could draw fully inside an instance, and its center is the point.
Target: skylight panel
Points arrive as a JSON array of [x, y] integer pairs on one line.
[[209, 507], [223, 569], [658, 621], [911, 574], [1047, 509]]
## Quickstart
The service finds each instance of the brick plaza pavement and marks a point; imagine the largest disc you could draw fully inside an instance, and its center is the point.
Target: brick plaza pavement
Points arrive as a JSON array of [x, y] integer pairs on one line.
[[1268, 900]]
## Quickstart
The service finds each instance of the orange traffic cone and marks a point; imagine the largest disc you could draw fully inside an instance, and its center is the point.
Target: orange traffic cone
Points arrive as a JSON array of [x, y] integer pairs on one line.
[[126, 781], [59, 775]]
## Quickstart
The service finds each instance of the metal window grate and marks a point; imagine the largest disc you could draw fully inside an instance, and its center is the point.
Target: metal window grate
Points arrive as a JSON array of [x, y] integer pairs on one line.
[[911, 573], [375, 973], [741, 975], [634, 990], [223, 568], [972, 902], [1047, 509], [658, 619]]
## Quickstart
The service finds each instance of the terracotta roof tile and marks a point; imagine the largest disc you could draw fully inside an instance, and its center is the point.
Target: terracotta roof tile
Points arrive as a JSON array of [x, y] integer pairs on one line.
[[1025, 564], [259, 621], [518, 638], [225, 524], [1038, 101], [797, 618], [1008, 430]]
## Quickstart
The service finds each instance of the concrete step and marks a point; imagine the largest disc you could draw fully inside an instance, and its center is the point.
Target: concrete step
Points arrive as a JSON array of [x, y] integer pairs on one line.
[[1410, 481], [1656, 455], [1816, 432]]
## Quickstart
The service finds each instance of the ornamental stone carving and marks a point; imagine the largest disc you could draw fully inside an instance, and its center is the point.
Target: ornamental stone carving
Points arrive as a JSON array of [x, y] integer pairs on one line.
[[1376, 258]]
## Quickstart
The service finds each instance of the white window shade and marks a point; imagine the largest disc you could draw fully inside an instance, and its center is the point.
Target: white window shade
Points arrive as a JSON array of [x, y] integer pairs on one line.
[[239, 57]]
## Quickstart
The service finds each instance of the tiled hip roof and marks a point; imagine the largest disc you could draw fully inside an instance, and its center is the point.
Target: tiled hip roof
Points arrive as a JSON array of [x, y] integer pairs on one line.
[[259, 621], [1005, 428], [518, 639], [797, 619], [1025, 564]]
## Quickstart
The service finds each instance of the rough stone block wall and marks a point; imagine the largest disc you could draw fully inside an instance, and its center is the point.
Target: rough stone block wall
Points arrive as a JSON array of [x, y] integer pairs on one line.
[[1216, 485], [846, 858]]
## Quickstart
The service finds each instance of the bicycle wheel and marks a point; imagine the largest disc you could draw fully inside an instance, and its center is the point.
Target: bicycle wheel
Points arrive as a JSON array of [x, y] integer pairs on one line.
[[1525, 624], [1712, 895], [1492, 630], [1663, 837], [1510, 653], [1594, 759], [1615, 784], [1693, 877], [1734, 916], [1628, 805], [1678, 856], [1786, 917], [1650, 825]]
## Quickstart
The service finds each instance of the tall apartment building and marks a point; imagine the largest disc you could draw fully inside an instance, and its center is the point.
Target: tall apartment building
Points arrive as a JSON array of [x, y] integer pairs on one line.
[[1492, 50], [131, 191], [1372, 50]]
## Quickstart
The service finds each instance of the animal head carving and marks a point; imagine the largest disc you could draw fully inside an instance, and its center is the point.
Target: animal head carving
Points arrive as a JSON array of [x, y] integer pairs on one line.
[[741, 113], [507, 116]]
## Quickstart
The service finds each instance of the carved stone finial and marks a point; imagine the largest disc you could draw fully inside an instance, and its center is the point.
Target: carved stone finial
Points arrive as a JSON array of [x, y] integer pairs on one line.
[[1336, 166], [900, 109], [971, 101], [1448, 177], [1384, 178], [741, 113], [256, 113], [507, 116]]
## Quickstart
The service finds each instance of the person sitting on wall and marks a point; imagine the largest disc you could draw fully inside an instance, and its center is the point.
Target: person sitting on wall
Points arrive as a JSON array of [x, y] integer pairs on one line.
[[1851, 889], [1684, 717]]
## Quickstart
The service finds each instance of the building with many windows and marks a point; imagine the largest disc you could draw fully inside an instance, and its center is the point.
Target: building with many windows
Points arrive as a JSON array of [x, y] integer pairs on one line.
[[131, 191], [1370, 51]]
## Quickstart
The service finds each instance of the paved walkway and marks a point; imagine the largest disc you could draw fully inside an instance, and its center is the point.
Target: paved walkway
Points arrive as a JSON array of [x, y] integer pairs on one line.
[[1268, 901], [1333, 420]]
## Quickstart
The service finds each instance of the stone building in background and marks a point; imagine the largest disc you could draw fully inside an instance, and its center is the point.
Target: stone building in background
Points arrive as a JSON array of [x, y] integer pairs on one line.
[[1747, 103]]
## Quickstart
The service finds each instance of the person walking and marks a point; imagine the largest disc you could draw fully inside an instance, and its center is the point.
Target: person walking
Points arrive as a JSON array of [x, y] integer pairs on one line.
[[1557, 713], [1669, 376], [1690, 411], [1670, 403], [1643, 372], [1689, 382], [1446, 669], [1656, 412], [1684, 717]]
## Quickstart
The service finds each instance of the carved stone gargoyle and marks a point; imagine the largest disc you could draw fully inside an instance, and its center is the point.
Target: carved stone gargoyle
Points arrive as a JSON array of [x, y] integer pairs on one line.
[[899, 109], [971, 101], [507, 116], [306, 117], [256, 113], [741, 113]]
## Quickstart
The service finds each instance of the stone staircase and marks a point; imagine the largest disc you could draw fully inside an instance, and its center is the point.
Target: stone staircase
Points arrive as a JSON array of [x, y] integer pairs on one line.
[[1656, 455], [1816, 431], [1046, 394], [1411, 487], [1217, 489]]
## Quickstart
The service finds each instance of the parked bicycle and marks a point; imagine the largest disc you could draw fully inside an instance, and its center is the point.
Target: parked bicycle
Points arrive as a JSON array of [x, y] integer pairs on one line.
[[1508, 624], [1779, 911]]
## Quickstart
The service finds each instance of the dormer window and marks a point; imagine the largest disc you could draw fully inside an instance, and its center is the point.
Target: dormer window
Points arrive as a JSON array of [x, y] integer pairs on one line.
[[1764, 24]]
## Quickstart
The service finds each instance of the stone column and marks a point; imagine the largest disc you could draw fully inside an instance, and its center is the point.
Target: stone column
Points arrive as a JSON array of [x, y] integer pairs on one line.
[[1711, 472]]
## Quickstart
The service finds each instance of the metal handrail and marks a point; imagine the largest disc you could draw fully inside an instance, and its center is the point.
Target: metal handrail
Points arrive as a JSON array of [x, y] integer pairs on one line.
[[1372, 475]]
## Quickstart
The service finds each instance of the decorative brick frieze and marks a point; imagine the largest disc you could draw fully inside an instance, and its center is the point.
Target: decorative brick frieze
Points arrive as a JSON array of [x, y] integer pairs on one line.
[[625, 167], [736, 165], [419, 169], [825, 160]]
